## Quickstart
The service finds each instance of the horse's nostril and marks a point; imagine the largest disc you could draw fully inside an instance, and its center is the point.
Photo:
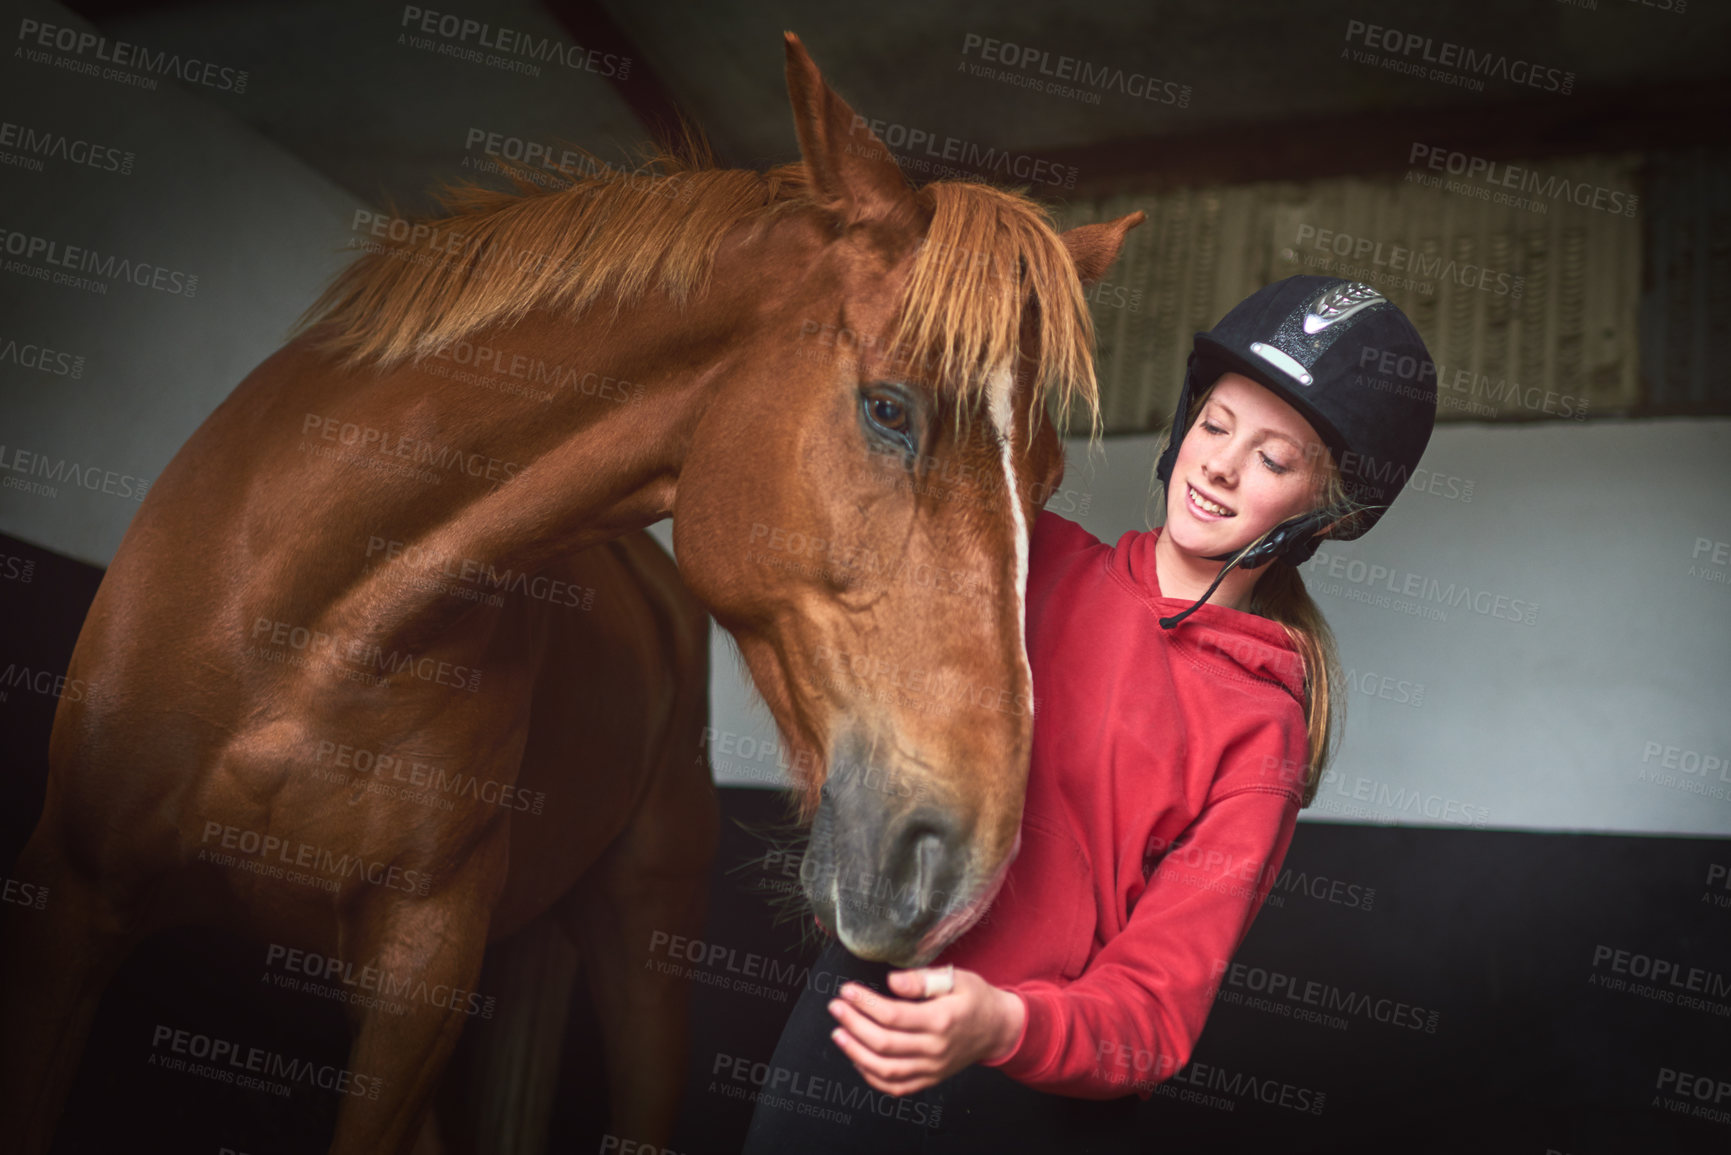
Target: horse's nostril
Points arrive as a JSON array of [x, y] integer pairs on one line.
[[928, 856], [918, 876]]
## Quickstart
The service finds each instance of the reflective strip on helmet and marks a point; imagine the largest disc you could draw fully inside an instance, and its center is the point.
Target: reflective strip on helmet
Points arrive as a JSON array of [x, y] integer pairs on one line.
[[1281, 361]]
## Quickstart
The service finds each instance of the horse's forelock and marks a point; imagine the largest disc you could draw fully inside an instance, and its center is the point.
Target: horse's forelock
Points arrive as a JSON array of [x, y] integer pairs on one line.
[[992, 261]]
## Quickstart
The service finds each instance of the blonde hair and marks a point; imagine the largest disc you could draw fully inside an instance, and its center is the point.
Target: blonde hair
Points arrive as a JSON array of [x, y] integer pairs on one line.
[[1279, 595]]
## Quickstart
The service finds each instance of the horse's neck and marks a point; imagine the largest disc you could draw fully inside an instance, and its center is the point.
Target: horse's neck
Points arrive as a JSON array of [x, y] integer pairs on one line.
[[599, 460]]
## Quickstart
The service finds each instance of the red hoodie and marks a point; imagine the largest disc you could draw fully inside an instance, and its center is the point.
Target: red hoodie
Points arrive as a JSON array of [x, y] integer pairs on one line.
[[1176, 752]]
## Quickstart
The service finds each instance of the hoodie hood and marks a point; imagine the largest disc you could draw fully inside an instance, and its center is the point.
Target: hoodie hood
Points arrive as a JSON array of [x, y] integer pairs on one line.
[[1227, 642]]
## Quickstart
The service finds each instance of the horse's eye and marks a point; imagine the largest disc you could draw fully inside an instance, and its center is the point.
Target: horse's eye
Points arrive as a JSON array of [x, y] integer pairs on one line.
[[889, 413], [889, 416]]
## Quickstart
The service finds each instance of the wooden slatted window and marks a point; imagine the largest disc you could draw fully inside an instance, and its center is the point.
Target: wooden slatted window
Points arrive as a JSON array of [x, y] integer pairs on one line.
[[1530, 309]]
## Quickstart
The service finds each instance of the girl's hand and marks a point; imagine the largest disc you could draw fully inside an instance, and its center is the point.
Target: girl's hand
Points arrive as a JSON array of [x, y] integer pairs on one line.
[[903, 1045]]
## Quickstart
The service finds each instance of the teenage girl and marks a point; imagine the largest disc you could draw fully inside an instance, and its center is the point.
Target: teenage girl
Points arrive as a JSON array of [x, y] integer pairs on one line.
[[1183, 717]]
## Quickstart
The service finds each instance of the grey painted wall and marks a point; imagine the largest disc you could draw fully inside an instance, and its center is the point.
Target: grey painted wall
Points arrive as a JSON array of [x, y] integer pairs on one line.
[[205, 197], [1607, 713]]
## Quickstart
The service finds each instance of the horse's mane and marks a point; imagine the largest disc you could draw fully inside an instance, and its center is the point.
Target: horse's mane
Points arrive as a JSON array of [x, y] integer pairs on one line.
[[494, 255]]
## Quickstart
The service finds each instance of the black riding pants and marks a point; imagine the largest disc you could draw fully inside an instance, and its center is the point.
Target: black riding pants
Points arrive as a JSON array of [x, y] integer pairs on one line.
[[814, 1100]]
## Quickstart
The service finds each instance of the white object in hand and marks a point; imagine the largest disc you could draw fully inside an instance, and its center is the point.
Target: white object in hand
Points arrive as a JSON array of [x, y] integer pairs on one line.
[[940, 982]]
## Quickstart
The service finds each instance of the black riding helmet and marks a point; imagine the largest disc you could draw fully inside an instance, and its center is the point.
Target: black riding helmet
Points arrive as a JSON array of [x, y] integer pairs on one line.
[[1351, 363]]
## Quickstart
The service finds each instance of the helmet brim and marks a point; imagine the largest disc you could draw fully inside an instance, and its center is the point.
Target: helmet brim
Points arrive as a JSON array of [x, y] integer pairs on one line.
[[1214, 359]]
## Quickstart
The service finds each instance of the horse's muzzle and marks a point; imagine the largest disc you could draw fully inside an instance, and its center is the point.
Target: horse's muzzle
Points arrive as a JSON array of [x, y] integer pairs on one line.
[[885, 864]]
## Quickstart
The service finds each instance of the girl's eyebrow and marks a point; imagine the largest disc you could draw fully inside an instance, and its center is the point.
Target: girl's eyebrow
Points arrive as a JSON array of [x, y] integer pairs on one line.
[[1286, 437]]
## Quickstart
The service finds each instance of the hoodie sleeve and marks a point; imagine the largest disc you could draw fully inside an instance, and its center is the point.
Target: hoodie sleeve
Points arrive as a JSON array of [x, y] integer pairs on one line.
[[1133, 1017]]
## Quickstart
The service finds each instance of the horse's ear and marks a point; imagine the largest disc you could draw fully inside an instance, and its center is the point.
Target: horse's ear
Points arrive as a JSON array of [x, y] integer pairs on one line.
[[1095, 247], [852, 173]]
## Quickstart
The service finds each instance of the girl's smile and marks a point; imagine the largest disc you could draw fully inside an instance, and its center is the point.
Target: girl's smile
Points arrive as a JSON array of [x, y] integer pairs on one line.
[[1249, 462], [1207, 509]]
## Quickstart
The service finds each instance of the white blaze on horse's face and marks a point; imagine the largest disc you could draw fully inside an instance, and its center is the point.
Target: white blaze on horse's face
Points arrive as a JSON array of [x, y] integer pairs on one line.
[[1002, 388]]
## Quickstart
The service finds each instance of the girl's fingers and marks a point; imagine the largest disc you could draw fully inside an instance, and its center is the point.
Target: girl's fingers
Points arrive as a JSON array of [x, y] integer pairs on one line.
[[882, 1040], [883, 1011], [885, 1067]]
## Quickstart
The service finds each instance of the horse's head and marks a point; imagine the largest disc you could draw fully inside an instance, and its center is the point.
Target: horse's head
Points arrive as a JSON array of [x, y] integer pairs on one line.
[[856, 504]]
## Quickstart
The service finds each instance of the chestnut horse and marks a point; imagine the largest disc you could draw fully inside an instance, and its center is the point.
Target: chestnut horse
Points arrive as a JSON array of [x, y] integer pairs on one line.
[[832, 382]]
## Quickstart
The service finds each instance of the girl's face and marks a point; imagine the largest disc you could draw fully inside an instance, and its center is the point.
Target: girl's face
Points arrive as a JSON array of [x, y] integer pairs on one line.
[[1247, 464]]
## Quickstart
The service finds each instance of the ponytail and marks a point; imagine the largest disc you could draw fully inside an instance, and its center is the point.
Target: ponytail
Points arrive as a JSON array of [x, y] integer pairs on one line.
[[1280, 596]]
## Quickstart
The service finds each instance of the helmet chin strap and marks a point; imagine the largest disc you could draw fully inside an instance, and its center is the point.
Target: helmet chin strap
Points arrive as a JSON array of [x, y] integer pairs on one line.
[[1292, 533]]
